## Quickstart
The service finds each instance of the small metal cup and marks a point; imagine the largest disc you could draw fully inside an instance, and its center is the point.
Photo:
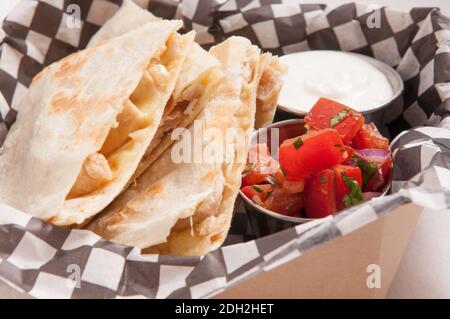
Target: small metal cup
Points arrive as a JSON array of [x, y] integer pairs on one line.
[[375, 114], [263, 221]]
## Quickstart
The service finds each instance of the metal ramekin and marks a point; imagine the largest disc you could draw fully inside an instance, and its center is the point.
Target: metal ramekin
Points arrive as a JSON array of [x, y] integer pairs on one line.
[[375, 114], [263, 221]]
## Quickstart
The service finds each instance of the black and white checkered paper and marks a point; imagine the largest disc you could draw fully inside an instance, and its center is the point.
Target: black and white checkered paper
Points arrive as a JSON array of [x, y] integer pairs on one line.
[[47, 261]]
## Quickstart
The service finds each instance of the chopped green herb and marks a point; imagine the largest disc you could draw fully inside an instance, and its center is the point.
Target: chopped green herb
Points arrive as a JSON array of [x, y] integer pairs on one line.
[[283, 171], [355, 195], [338, 117], [247, 168], [347, 201], [256, 188], [323, 180], [298, 143], [368, 169]]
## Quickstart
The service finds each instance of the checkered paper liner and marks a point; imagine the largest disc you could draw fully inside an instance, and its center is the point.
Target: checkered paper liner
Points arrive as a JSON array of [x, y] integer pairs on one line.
[[47, 261], [415, 43]]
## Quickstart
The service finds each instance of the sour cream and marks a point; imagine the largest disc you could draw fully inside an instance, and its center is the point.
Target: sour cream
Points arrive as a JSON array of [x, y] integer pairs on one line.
[[347, 78]]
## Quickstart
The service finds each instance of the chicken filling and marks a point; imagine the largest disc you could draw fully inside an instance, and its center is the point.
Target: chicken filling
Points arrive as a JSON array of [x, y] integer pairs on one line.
[[97, 169]]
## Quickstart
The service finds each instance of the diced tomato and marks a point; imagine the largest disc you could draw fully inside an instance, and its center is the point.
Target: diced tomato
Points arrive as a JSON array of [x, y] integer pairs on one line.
[[311, 153], [350, 171], [261, 166], [254, 175], [259, 191], [320, 194], [283, 203], [342, 188], [369, 137], [331, 114], [293, 187]]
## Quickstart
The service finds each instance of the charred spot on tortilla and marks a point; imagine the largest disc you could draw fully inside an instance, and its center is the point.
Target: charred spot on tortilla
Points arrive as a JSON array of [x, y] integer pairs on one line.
[[78, 107], [155, 189], [216, 238], [209, 177], [62, 102], [70, 65]]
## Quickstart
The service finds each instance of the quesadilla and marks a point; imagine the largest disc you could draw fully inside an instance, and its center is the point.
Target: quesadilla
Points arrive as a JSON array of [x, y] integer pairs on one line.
[[182, 107], [186, 208], [207, 230], [95, 149], [256, 82], [269, 89], [87, 121]]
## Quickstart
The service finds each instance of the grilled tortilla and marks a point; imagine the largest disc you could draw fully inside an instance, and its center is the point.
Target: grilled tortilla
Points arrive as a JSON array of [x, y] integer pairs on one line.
[[186, 208], [269, 88], [182, 107], [253, 84], [88, 122], [207, 229]]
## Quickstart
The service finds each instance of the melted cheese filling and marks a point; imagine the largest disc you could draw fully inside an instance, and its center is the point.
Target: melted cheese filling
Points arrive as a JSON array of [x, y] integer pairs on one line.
[[100, 168], [176, 114]]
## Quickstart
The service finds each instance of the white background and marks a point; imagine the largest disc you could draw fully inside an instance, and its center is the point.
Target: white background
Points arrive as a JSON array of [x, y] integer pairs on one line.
[[425, 268]]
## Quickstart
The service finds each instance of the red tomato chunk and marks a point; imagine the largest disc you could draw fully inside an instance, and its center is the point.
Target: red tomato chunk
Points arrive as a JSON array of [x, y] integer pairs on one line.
[[310, 153], [259, 191], [342, 187], [331, 114], [260, 167], [284, 203], [320, 194], [369, 137]]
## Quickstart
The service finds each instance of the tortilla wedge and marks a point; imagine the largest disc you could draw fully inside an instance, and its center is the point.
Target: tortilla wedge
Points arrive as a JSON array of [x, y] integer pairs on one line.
[[92, 116], [186, 208], [269, 88], [182, 107], [211, 229]]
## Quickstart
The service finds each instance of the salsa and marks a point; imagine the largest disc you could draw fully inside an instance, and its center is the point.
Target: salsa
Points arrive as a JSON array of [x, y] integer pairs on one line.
[[339, 162]]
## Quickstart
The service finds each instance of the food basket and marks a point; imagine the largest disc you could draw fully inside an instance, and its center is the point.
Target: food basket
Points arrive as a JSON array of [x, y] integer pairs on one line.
[[43, 260]]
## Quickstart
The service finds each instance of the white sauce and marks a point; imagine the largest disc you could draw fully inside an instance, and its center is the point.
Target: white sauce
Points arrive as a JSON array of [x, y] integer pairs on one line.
[[336, 75]]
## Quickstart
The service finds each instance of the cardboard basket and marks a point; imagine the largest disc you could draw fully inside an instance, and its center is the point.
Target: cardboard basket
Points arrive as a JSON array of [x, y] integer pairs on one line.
[[339, 268], [321, 260]]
